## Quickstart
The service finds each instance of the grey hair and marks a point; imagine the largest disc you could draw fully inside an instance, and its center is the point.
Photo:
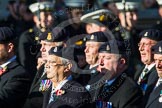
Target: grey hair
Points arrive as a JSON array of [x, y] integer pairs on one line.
[[65, 61], [59, 43]]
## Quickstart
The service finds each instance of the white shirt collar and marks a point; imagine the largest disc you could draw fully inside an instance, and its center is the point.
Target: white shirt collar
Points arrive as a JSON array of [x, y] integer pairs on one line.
[[149, 67]]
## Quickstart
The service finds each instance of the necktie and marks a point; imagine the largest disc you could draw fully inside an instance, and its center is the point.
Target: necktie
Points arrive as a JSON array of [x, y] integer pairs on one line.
[[106, 87], [143, 74], [53, 97]]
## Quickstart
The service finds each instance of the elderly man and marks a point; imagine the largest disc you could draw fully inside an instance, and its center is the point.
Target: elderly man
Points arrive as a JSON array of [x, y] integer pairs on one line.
[[119, 90], [64, 92], [35, 98], [14, 80], [148, 38], [29, 45], [155, 97]]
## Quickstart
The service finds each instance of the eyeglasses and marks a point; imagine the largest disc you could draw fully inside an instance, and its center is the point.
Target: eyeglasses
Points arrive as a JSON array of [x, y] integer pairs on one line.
[[54, 63], [145, 44]]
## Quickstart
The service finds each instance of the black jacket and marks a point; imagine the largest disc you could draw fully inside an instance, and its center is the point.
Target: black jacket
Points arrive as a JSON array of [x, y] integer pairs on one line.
[[14, 86]]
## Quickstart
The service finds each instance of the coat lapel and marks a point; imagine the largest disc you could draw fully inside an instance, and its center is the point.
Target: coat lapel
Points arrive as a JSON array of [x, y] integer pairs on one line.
[[154, 95], [137, 74]]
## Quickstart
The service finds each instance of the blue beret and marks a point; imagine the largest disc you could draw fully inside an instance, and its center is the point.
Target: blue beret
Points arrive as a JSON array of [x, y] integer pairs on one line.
[[115, 47], [6, 35], [153, 34], [97, 37], [157, 49]]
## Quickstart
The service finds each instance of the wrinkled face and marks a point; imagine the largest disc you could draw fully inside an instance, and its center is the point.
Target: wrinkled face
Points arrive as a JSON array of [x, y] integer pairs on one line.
[[45, 47], [108, 63], [54, 67], [91, 52], [158, 63], [3, 53], [145, 50]]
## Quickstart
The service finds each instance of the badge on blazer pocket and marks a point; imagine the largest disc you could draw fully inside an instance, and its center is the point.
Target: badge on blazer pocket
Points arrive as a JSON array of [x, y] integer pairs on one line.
[[160, 98], [103, 104]]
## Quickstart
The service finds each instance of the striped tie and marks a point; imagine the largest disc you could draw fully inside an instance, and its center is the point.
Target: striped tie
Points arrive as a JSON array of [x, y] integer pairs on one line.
[[143, 74]]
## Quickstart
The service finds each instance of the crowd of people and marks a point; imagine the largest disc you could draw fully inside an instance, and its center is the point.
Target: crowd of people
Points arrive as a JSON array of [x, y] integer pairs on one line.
[[71, 54]]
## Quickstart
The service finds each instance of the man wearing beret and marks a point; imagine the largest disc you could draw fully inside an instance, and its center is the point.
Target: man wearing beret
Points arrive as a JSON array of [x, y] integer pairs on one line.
[[118, 90], [29, 45], [64, 92], [93, 42], [155, 98], [14, 80], [35, 97], [149, 38]]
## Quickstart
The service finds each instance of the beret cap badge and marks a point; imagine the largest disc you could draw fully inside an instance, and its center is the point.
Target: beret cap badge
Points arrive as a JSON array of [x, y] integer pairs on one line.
[[107, 47], [55, 49], [160, 49], [49, 36], [146, 34], [102, 18], [92, 37]]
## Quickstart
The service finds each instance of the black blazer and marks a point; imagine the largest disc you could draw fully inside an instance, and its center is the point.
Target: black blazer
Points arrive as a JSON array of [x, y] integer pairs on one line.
[[151, 84], [14, 86], [153, 101], [138, 73], [127, 95], [75, 97], [35, 97]]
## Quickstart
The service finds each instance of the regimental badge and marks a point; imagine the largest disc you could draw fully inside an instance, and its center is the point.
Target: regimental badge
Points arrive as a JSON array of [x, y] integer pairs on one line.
[[49, 36], [31, 30], [80, 42], [160, 98], [160, 49], [92, 37], [146, 34], [102, 18], [108, 48], [36, 38], [55, 50]]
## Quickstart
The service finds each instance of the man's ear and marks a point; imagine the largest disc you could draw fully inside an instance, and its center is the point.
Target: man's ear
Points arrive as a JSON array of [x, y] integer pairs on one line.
[[88, 28], [35, 19], [68, 67], [10, 47]]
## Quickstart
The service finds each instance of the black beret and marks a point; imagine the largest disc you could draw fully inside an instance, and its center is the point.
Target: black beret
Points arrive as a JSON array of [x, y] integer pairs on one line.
[[64, 52], [54, 35], [113, 46], [6, 35], [157, 49], [97, 37], [153, 34], [59, 34], [56, 51]]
